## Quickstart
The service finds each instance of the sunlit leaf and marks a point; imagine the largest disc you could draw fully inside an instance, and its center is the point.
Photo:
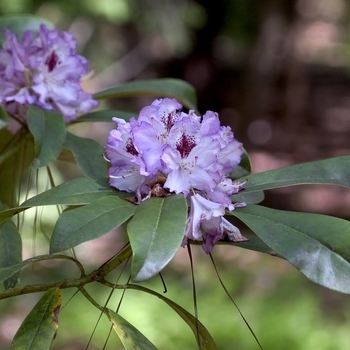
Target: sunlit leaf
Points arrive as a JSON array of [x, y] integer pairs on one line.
[[91, 221], [10, 250], [175, 88], [104, 116], [317, 245], [88, 154], [206, 340], [334, 171], [18, 24], [39, 328], [131, 337], [49, 132], [156, 232]]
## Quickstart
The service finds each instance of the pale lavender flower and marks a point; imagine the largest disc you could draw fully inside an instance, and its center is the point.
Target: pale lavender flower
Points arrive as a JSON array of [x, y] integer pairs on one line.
[[45, 71], [205, 221], [181, 153]]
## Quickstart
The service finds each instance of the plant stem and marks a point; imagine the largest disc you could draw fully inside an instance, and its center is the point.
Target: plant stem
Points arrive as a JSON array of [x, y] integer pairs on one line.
[[79, 283]]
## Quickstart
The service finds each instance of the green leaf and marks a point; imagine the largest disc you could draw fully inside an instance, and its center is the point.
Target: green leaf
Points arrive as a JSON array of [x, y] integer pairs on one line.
[[91, 221], [206, 340], [4, 119], [18, 24], [248, 197], [83, 190], [16, 155], [39, 328], [10, 250], [334, 171], [156, 232], [88, 154], [104, 116], [175, 88], [131, 338], [49, 132], [317, 245]]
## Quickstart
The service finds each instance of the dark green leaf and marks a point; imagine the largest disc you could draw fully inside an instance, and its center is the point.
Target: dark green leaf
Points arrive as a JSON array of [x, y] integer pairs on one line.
[[91, 221], [10, 250], [131, 338], [206, 340], [248, 197], [88, 154], [83, 190], [9, 271], [317, 245], [156, 232], [39, 328], [4, 120], [16, 155], [175, 88], [334, 171], [49, 132], [104, 116], [18, 24]]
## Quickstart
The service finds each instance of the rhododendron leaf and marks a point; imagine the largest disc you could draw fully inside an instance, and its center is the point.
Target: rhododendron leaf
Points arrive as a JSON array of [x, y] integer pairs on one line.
[[82, 190], [88, 154], [333, 171], [18, 24], [49, 132], [10, 250], [104, 116], [249, 197], [3, 118], [156, 232], [174, 88], [315, 244], [131, 338], [91, 221], [39, 328], [78, 191], [7, 272]]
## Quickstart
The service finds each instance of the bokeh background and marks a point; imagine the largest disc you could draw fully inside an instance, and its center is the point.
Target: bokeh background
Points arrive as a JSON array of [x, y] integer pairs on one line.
[[278, 72]]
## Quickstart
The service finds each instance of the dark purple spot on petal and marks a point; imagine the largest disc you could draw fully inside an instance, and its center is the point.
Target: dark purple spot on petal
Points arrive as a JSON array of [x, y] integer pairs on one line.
[[51, 61], [130, 148], [185, 144]]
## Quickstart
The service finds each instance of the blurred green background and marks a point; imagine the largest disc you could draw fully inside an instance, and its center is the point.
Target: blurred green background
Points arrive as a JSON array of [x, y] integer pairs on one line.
[[277, 71]]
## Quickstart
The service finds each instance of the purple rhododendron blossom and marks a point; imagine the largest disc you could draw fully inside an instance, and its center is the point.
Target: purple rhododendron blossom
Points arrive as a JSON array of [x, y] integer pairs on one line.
[[45, 71], [180, 153]]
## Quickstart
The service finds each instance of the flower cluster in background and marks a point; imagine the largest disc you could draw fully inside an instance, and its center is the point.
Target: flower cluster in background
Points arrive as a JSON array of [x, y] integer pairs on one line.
[[167, 150], [44, 71]]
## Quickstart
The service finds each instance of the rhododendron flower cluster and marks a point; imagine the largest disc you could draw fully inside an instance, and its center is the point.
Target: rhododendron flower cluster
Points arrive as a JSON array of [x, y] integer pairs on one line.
[[166, 150], [44, 71]]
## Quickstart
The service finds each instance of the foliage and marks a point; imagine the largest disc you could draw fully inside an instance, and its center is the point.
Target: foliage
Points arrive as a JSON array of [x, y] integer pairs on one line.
[[317, 245]]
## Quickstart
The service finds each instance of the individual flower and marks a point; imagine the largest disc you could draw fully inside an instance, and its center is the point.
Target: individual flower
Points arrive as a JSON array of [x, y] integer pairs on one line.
[[166, 150], [44, 71], [205, 221]]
